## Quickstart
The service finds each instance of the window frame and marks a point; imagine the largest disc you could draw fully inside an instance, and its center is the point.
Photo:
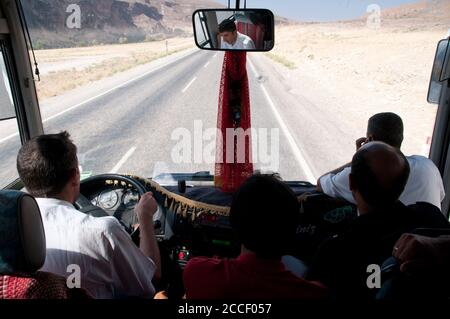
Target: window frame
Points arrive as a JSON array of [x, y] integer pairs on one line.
[[19, 109]]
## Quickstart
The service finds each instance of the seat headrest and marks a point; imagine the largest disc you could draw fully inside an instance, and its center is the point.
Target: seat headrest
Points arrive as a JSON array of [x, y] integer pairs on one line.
[[22, 237]]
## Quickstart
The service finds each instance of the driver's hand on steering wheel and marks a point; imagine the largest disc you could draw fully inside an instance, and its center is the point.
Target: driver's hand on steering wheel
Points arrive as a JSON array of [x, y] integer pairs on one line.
[[145, 209]]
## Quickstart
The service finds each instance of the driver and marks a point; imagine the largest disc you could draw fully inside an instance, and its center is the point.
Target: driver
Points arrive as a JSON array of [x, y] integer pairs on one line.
[[233, 39], [96, 250]]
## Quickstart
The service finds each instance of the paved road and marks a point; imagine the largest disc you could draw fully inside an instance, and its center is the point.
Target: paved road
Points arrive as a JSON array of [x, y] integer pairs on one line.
[[127, 124]]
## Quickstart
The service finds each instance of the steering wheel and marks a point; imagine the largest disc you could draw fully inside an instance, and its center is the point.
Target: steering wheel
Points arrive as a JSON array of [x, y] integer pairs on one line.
[[172, 275], [85, 206]]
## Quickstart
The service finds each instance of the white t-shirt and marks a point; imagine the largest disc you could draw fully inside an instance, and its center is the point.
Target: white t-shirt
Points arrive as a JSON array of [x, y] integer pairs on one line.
[[424, 183], [111, 265], [243, 42]]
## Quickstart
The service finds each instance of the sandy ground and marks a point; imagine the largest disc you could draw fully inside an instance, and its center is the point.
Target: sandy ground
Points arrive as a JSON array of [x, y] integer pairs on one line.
[[352, 71], [65, 69]]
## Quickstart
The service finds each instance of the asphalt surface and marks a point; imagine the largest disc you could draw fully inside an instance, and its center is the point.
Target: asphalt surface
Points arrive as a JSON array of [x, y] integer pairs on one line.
[[134, 123]]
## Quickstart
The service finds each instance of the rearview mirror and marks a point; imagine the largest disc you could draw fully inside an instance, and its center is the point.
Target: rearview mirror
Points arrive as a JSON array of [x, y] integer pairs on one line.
[[234, 30], [440, 72]]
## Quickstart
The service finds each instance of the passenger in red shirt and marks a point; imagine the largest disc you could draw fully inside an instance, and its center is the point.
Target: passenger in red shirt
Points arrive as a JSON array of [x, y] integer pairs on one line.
[[264, 214]]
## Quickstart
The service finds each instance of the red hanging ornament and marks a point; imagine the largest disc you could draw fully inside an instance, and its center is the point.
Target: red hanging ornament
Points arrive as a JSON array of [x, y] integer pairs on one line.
[[233, 151]]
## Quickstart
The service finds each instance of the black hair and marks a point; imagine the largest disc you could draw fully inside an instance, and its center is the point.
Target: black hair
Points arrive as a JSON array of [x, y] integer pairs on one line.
[[386, 127], [227, 26], [376, 193], [46, 164], [265, 215]]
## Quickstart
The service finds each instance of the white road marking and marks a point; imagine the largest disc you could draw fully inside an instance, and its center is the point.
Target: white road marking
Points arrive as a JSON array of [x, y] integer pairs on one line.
[[426, 148], [123, 160], [206, 65], [104, 93], [114, 88], [190, 83], [290, 139], [8, 137]]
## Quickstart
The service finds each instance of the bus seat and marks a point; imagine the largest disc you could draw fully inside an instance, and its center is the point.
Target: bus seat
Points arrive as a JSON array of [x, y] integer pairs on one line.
[[255, 32], [23, 251]]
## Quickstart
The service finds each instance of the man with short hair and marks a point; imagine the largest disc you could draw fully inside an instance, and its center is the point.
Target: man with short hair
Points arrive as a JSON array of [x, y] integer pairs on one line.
[[111, 264], [231, 39], [378, 176], [424, 183], [264, 214]]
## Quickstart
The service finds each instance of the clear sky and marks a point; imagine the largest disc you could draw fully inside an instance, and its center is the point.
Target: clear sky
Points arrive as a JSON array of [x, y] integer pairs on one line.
[[319, 10]]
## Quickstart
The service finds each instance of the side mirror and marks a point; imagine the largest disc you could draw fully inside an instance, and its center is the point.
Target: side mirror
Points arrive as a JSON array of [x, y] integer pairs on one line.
[[440, 72], [234, 30]]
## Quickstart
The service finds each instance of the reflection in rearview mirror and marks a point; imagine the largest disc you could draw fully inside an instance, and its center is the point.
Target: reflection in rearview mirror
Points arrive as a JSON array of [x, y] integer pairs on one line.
[[242, 30]]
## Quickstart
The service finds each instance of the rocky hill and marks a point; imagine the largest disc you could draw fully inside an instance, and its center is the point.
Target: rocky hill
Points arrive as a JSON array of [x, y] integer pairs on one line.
[[109, 21]]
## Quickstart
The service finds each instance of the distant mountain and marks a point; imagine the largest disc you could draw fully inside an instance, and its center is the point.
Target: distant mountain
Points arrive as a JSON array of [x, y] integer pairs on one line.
[[109, 21], [422, 14], [433, 9]]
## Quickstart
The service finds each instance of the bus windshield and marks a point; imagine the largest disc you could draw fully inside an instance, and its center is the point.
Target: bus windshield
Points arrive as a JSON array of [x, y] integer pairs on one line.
[[137, 96]]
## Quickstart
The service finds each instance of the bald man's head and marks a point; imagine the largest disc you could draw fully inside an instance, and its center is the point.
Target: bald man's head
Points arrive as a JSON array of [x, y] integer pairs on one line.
[[379, 174]]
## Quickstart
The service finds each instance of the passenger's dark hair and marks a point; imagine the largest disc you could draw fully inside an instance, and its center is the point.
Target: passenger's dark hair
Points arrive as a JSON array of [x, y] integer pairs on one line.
[[375, 193], [265, 215], [227, 26], [46, 163], [386, 127]]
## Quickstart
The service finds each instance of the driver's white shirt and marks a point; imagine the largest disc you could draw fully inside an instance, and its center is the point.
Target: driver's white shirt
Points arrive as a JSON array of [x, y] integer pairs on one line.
[[111, 265], [243, 42]]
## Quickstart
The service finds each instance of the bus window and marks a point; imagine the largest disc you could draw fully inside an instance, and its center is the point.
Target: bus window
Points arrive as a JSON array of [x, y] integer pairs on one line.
[[9, 131], [135, 93]]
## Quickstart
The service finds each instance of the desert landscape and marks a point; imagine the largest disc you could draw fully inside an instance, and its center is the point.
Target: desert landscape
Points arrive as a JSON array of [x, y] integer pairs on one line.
[[349, 70], [68, 23], [352, 70], [65, 69]]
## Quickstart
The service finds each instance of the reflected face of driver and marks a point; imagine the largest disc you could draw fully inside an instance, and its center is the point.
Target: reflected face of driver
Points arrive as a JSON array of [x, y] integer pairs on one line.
[[229, 37]]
